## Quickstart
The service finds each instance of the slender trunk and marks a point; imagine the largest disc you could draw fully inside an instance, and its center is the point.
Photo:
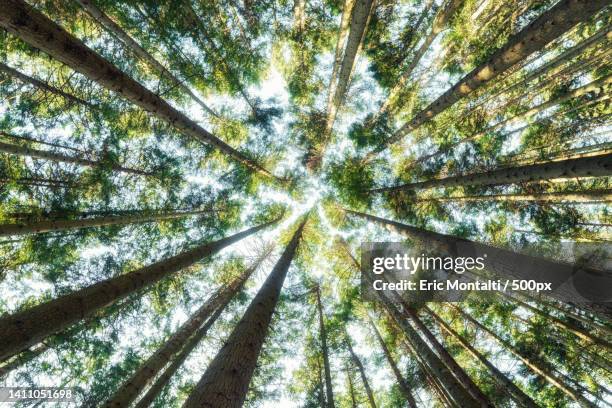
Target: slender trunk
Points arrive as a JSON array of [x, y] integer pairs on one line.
[[515, 392], [593, 166], [22, 359], [361, 370], [340, 46], [510, 264], [322, 401], [58, 157], [401, 381], [37, 227], [325, 350], [129, 390], [594, 197], [533, 365], [550, 66], [439, 24], [436, 387], [351, 387], [31, 139], [420, 348], [550, 25], [39, 182], [36, 29], [226, 380], [112, 27], [23, 329], [445, 356], [163, 379], [601, 86], [42, 85]]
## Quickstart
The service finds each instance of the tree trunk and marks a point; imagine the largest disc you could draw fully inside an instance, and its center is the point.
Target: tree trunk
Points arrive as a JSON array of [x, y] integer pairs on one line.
[[37, 227], [42, 85], [322, 401], [557, 197], [23, 329], [58, 157], [515, 392], [36, 29], [551, 65], [401, 381], [593, 166], [129, 390], [506, 262], [323, 337], [31, 139], [602, 85], [533, 366], [163, 379], [420, 348], [226, 380], [550, 25], [112, 27], [359, 365], [445, 356], [351, 387], [22, 359], [439, 24]]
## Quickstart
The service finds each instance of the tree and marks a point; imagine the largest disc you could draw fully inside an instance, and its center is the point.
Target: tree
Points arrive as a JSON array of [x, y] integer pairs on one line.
[[32, 325], [226, 380], [323, 337]]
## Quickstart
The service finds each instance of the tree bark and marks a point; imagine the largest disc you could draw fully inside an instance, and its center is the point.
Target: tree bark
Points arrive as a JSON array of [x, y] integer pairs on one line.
[[112, 27], [226, 380], [351, 387], [550, 25], [58, 157], [533, 365], [42, 85], [514, 391], [23, 329], [129, 390], [557, 197], [323, 337], [361, 370], [36, 29], [37, 227], [163, 379], [401, 381], [592, 166], [513, 264]]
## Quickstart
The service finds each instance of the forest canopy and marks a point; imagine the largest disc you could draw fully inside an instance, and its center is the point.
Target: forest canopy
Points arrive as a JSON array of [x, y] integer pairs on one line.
[[185, 186]]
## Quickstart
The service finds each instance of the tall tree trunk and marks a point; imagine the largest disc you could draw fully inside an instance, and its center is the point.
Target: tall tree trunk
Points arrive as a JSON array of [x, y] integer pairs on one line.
[[31, 139], [533, 365], [439, 24], [112, 27], [361, 370], [550, 25], [37, 227], [23, 329], [58, 157], [515, 392], [550, 66], [420, 348], [163, 379], [322, 401], [593, 166], [42, 85], [36, 29], [601, 86], [436, 387], [557, 197], [22, 359], [226, 380], [129, 390], [522, 266], [445, 356], [323, 337], [401, 381], [351, 387]]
